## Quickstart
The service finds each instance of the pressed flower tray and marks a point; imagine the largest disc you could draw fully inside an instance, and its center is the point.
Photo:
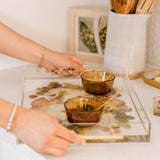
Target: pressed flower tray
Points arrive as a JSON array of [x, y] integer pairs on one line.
[[123, 118]]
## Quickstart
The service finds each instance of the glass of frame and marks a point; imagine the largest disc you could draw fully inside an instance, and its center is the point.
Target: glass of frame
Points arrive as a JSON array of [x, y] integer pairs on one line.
[[81, 32]]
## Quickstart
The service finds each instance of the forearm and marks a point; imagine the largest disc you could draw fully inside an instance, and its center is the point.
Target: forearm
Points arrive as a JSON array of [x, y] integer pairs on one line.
[[17, 46], [39, 130], [5, 112]]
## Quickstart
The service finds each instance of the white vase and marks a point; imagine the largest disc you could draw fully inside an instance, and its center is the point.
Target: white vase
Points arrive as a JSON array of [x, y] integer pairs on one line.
[[153, 39], [125, 43]]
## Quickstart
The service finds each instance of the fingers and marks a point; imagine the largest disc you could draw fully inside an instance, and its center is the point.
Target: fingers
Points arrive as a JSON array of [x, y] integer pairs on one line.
[[64, 73], [74, 74], [60, 143], [77, 60], [69, 135], [66, 134], [68, 72], [55, 151]]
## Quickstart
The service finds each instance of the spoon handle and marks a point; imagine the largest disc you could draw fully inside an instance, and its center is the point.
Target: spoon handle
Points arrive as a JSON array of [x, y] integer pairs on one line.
[[110, 99], [154, 2], [112, 5], [144, 5]]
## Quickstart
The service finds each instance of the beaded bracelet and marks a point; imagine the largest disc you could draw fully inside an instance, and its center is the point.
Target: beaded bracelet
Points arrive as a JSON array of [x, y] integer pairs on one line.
[[42, 58], [11, 118]]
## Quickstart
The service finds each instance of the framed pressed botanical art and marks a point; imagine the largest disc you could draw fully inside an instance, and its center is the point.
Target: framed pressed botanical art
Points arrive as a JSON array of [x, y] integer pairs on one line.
[[81, 32]]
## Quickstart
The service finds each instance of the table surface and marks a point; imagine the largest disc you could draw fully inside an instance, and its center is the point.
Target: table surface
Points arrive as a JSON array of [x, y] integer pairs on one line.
[[10, 89]]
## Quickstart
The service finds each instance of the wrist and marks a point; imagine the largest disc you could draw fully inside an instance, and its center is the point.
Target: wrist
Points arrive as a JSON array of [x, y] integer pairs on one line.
[[40, 65], [18, 119], [6, 109], [49, 59]]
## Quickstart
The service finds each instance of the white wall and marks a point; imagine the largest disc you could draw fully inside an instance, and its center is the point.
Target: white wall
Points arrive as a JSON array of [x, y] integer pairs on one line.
[[44, 21]]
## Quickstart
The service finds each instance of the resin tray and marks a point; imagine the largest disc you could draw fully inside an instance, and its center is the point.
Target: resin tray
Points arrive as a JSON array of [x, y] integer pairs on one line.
[[123, 119]]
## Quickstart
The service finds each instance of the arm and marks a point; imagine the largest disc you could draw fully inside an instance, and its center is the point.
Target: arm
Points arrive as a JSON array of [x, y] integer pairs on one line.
[[39, 130], [17, 46]]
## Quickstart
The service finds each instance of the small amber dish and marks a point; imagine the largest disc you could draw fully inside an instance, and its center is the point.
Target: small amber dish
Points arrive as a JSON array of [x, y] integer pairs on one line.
[[97, 82], [83, 110]]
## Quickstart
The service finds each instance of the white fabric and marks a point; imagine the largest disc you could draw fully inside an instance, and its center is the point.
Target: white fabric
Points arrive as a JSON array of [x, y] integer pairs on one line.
[[7, 62]]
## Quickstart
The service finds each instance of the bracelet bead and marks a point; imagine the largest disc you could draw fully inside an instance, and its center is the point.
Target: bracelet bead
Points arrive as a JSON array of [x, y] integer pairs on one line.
[[11, 118]]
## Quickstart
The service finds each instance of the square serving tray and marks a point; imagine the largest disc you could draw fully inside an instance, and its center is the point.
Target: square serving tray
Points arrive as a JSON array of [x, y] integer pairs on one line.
[[123, 119]]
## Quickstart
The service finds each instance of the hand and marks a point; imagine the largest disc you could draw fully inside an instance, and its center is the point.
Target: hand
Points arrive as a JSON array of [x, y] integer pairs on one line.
[[27, 50], [61, 62], [42, 132]]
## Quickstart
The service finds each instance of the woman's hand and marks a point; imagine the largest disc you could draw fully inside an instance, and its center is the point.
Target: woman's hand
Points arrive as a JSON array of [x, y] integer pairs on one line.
[[42, 132], [30, 51], [63, 64]]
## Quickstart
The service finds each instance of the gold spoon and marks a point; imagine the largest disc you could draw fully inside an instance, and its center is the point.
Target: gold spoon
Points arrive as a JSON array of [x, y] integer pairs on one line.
[[116, 94], [123, 6], [134, 4]]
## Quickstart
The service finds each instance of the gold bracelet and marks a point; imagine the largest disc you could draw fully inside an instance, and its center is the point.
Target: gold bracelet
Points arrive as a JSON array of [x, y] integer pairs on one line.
[[42, 58]]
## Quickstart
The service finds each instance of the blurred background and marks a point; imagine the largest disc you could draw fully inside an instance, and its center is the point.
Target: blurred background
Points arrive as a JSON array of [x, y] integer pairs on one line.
[[43, 21], [47, 21]]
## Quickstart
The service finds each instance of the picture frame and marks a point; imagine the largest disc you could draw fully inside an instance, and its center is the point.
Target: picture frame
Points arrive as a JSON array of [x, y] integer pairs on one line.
[[81, 43]]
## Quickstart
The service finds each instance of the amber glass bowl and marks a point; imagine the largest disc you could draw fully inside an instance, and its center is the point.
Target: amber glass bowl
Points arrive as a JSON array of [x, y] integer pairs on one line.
[[83, 110], [97, 82]]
